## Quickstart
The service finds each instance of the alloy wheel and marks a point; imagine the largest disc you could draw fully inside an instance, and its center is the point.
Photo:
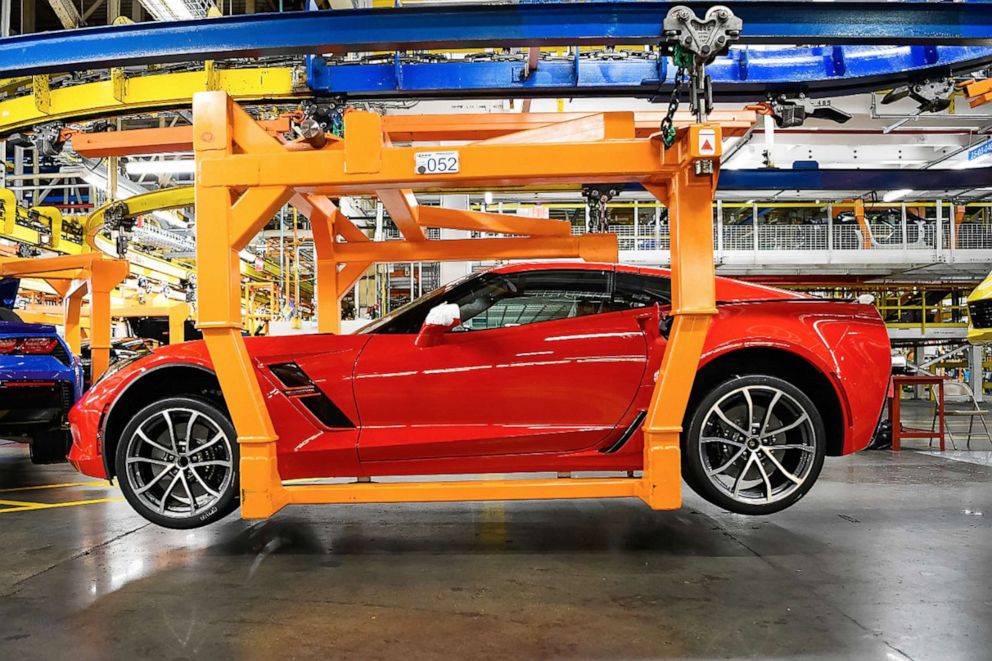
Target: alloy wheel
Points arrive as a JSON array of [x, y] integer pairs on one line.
[[179, 463], [757, 444]]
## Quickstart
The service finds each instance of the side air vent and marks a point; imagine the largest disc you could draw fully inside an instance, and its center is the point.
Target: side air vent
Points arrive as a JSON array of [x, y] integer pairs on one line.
[[299, 387], [326, 411], [291, 375]]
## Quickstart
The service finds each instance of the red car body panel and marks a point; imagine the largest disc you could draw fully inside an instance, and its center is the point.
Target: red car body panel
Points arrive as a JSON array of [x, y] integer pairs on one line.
[[548, 396]]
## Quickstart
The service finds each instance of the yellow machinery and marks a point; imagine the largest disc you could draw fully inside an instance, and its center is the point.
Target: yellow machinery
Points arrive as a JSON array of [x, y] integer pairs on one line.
[[980, 313]]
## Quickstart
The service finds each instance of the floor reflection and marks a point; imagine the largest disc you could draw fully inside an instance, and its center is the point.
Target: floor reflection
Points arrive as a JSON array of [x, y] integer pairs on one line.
[[841, 575]]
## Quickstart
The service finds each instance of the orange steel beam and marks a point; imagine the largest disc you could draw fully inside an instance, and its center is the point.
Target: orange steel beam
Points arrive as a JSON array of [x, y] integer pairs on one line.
[[482, 126], [163, 140], [858, 208], [405, 492], [177, 312], [401, 128], [402, 207], [601, 126], [590, 247], [324, 171], [498, 223], [234, 156], [979, 92]]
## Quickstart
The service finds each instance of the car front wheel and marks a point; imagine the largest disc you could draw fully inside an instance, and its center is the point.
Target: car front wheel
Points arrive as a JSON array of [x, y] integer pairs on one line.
[[177, 463], [754, 445]]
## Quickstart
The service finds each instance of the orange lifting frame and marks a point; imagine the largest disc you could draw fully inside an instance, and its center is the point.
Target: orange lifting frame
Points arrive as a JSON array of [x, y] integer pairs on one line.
[[72, 276], [244, 175]]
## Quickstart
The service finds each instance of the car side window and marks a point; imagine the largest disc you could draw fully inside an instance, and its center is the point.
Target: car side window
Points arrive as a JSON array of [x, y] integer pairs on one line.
[[636, 290], [518, 299]]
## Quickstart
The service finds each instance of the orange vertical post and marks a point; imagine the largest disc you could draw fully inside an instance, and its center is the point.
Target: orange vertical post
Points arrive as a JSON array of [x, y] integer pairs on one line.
[[105, 275], [689, 198], [72, 304], [219, 240], [328, 301]]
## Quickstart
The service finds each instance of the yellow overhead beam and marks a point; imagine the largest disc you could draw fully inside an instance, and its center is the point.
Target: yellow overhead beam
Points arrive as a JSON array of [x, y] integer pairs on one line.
[[122, 94], [163, 199]]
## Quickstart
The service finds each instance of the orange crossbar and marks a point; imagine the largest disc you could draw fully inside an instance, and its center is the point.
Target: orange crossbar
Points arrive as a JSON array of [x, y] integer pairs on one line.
[[400, 128], [245, 174], [480, 490]]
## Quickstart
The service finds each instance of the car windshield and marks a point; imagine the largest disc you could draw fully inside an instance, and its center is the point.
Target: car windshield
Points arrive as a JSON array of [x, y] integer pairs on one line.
[[6, 314]]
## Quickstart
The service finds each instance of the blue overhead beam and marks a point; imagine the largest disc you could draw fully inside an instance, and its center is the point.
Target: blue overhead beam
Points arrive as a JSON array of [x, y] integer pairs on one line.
[[742, 74], [839, 180], [472, 26]]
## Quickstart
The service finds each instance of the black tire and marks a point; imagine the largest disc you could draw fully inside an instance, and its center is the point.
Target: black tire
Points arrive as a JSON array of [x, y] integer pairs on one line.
[[206, 477], [719, 462], [50, 446]]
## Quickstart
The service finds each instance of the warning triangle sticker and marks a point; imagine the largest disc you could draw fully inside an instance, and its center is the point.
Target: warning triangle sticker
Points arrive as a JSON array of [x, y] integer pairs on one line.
[[706, 146]]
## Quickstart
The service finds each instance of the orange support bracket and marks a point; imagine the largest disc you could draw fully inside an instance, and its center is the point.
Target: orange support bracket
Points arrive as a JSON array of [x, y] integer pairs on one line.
[[235, 157], [73, 276], [175, 312]]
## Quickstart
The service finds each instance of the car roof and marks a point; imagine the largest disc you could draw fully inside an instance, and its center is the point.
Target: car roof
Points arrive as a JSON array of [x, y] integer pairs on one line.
[[728, 289], [518, 267]]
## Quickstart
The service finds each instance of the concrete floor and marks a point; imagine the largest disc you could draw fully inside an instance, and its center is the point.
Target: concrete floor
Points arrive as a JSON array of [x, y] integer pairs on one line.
[[889, 557]]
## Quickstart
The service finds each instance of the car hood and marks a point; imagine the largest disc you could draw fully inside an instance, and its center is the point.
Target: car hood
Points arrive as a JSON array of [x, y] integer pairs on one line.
[[264, 349]]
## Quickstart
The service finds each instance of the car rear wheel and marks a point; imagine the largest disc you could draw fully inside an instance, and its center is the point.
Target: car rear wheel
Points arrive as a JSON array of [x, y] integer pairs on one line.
[[50, 446], [754, 445], [177, 463]]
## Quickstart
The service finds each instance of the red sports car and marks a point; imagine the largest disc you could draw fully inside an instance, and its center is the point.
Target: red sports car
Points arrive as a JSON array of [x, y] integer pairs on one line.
[[523, 368]]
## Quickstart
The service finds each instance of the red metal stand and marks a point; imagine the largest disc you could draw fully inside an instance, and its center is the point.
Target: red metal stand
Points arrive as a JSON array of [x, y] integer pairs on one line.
[[895, 409]]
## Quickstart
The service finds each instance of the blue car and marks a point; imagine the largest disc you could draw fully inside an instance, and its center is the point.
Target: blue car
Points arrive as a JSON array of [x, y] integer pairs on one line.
[[40, 380]]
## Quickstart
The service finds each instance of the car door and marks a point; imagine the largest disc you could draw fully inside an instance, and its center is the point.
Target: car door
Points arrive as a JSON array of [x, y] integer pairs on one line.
[[538, 364]]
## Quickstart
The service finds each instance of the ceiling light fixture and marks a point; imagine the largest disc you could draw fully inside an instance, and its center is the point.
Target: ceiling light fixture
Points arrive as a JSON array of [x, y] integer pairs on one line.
[[894, 195], [138, 168], [177, 10]]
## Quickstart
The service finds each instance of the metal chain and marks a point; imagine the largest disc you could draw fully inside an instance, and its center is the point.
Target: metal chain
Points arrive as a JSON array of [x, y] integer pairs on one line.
[[681, 61], [668, 121]]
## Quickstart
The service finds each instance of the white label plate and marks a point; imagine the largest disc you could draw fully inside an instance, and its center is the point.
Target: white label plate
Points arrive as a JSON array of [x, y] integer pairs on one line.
[[436, 162]]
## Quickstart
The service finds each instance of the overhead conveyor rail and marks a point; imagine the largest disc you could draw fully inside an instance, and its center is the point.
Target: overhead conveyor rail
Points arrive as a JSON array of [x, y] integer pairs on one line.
[[469, 26], [741, 74], [859, 47]]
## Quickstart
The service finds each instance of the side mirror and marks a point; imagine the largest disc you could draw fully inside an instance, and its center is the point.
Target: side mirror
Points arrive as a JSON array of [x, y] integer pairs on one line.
[[650, 320], [441, 319]]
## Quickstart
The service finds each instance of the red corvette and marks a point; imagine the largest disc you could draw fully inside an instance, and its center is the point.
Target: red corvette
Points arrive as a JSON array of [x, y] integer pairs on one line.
[[524, 368]]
